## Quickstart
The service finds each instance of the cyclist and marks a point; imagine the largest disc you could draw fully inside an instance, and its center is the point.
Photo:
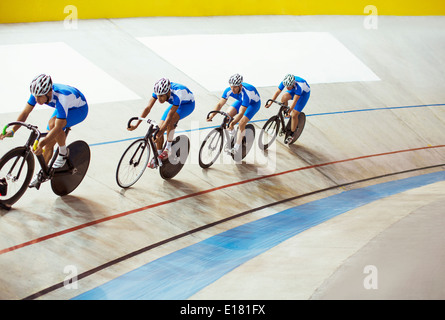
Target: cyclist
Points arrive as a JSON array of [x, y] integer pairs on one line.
[[298, 90], [182, 104], [70, 108], [246, 105]]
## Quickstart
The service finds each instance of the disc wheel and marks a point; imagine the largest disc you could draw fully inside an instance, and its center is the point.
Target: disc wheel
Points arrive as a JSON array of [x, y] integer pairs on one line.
[[174, 163], [247, 143], [300, 127], [69, 177]]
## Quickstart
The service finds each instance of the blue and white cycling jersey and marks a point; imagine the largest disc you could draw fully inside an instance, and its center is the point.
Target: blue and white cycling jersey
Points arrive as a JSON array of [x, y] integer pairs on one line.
[[64, 98], [300, 86], [179, 94], [248, 95]]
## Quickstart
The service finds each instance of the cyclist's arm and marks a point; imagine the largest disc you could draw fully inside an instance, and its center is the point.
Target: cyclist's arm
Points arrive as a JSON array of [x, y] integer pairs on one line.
[[238, 116], [147, 109], [145, 112], [24, 115], [218, 107], [294, 103], [274, 97], [58, 129], [22, 118]]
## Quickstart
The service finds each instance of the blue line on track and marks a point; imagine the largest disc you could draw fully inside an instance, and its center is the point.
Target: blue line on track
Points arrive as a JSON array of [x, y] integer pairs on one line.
[[308, 115], [183, 273]]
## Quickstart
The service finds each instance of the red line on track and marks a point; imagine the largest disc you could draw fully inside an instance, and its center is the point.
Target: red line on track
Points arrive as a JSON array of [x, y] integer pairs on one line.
[[123, 214]]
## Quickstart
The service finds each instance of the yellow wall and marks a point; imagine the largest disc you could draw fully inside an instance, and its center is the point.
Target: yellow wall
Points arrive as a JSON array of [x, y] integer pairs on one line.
[[12, 11]]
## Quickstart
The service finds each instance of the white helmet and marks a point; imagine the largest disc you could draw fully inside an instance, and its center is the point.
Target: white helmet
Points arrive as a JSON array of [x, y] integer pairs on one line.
[[236, 80], [289, 80], [41, 85], [162, 86]]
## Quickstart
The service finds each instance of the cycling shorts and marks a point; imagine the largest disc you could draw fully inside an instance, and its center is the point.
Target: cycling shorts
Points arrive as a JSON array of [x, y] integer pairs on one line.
[[251, 109], [75, 116], [301, 103], [183, 111]]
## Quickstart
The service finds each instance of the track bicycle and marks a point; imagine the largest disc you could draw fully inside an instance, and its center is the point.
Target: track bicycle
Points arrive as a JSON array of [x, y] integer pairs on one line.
[[136, 157], [276, 125], [17, 167], [220, 137]]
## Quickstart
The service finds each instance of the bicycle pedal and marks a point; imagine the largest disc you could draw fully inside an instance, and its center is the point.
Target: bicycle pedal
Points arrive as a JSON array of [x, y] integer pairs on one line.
[[35, 184]]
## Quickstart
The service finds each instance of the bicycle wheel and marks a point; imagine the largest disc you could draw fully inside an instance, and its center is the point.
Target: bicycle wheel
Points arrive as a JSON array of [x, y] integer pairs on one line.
[[16, 169], [133, 163], [269, 133], [247, 143], [69, 177], [174, 163], [300, 127], [211, 148]]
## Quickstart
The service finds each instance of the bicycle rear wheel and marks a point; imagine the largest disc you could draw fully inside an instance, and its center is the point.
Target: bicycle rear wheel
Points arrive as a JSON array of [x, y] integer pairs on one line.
[[300, 127], [16, 168], [174, 163], [247, 143], [269, 133], [211, 148], [69, 177], [133, 163]]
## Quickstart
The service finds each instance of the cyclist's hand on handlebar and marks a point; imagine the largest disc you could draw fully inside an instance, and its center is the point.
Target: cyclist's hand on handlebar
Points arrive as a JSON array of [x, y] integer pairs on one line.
[[132, 127], [38, 149], [157, 135], [268, 104], [7, 135]]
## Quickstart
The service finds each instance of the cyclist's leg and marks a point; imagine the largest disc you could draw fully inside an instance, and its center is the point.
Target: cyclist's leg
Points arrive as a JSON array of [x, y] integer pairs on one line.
[[182, 112], [301, 103], [171, 130], [249, 113], [74, 117], [160, 138], [49, 148], [233, 111], [288, 95], [185, 110]]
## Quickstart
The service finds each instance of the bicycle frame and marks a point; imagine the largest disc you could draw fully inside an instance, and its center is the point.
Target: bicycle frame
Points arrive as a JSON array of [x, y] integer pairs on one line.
[[280, 114], [224, 124], [153, 129], [35, 135]]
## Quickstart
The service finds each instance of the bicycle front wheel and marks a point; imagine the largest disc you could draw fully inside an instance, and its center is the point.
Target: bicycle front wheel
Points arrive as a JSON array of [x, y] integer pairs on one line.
[[269, 133], [133, 163], [211, 148], [16, 168]]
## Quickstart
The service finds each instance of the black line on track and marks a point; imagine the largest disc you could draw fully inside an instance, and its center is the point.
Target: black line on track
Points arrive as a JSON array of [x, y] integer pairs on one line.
[[190, 232]]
